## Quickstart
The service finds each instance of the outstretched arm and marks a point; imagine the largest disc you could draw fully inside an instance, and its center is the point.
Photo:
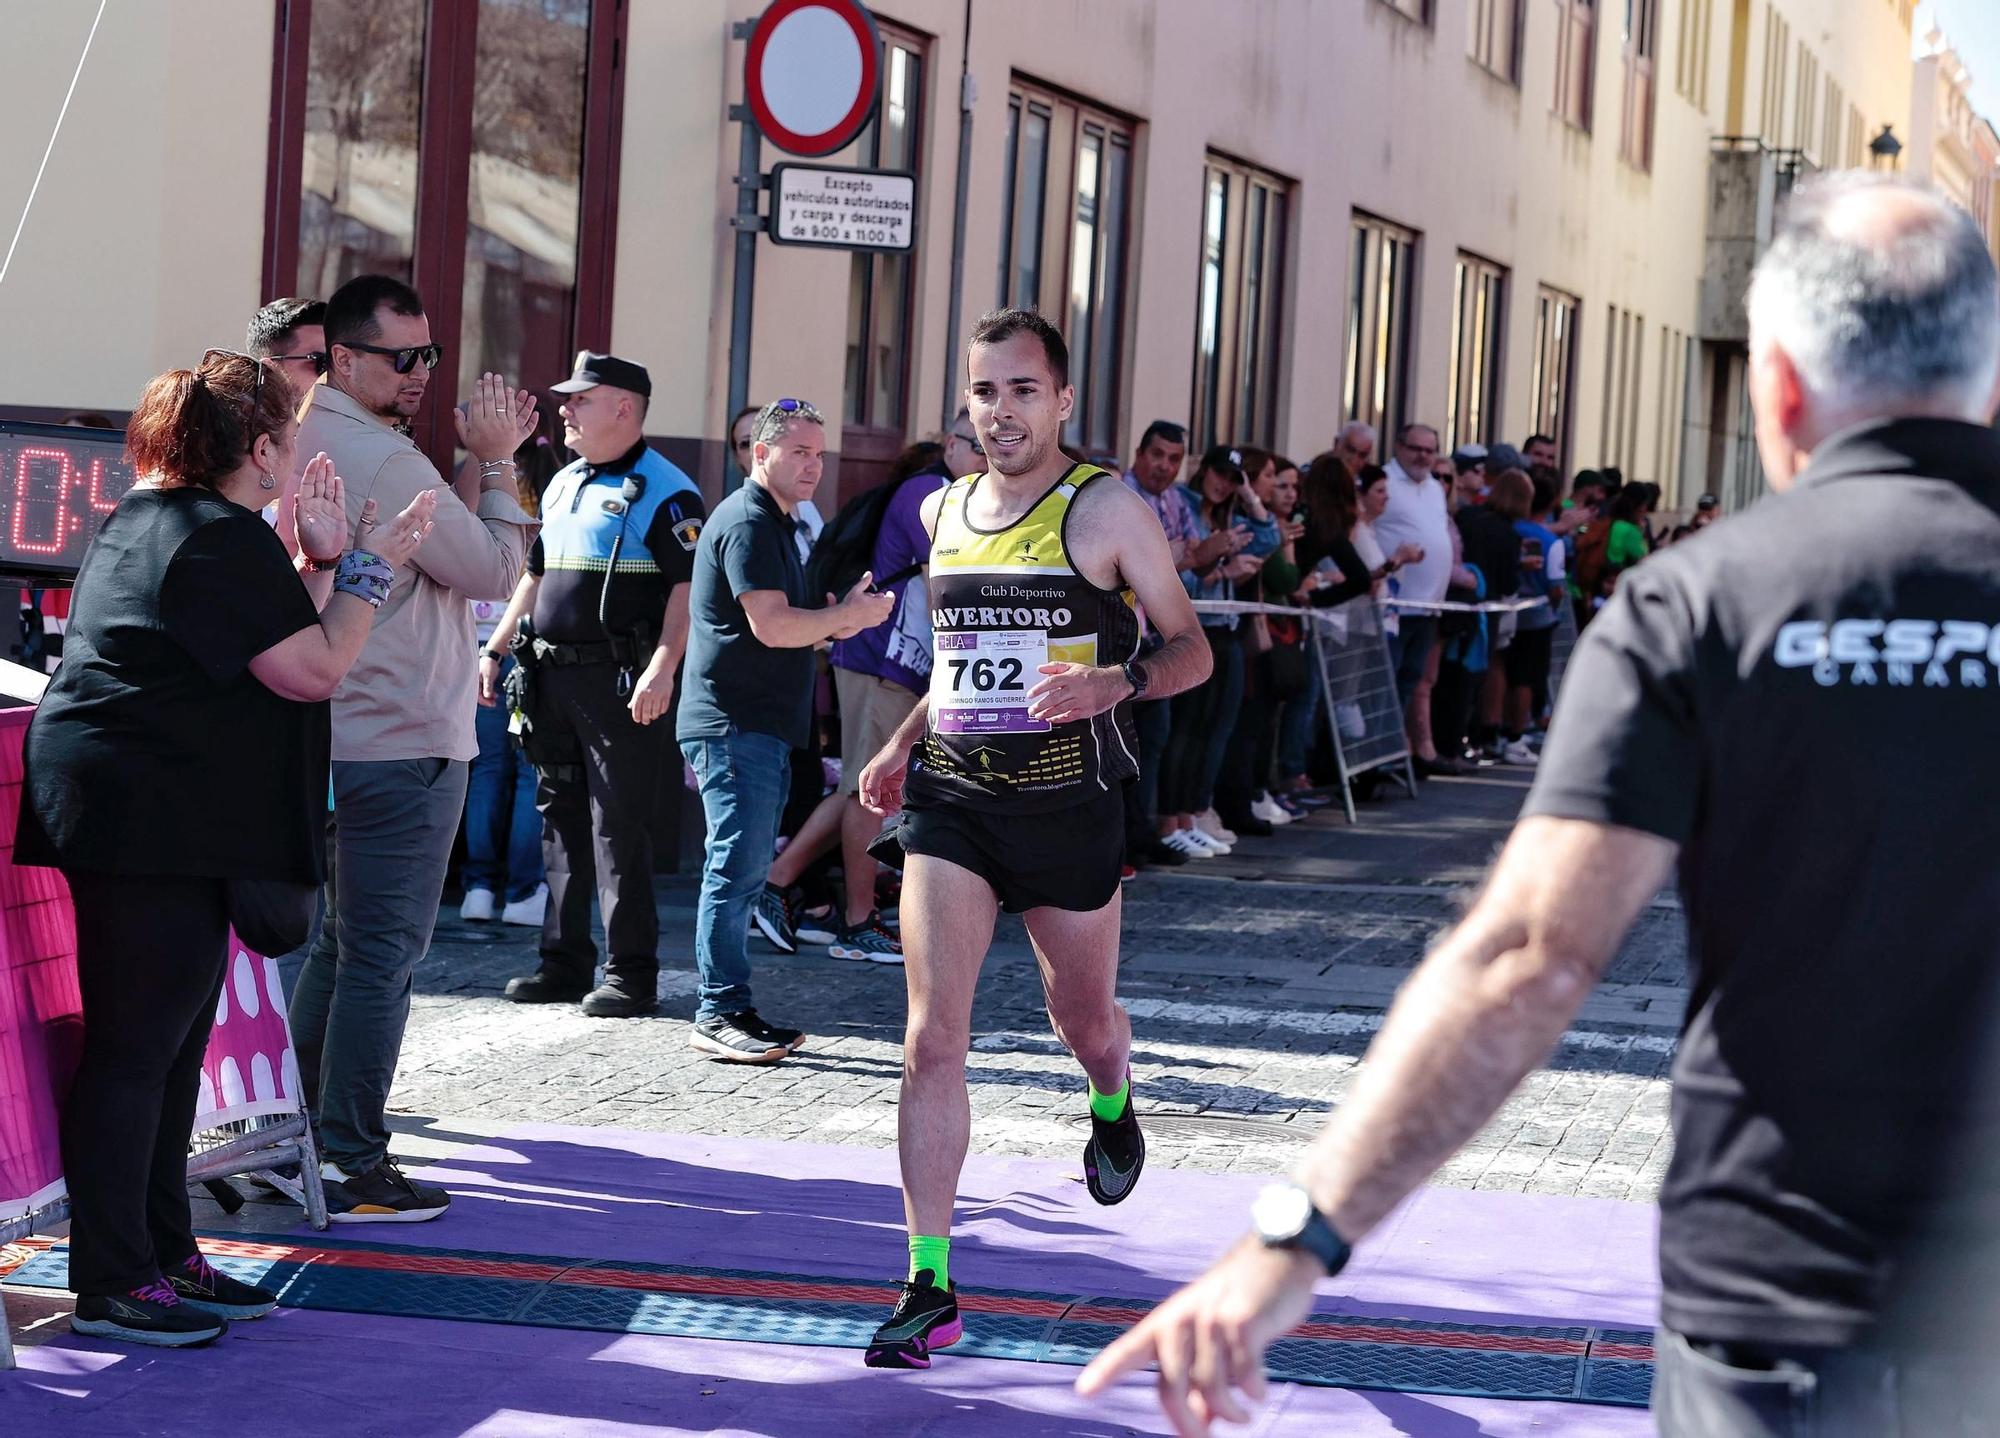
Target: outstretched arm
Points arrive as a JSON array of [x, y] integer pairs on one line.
[[1478, 1014]]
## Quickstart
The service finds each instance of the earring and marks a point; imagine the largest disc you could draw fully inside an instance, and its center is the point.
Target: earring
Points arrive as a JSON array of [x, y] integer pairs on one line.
[[266, 479]]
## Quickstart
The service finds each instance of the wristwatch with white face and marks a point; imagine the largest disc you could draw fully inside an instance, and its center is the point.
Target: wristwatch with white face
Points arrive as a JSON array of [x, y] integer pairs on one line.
[[1284, 1217]]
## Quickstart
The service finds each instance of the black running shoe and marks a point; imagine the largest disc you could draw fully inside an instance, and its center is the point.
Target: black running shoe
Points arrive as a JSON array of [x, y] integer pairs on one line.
[[1115, 1154], [926, 1317], [775, 1033], [200, 1284], [384, 1194], [152, 1314], [738, 1039]]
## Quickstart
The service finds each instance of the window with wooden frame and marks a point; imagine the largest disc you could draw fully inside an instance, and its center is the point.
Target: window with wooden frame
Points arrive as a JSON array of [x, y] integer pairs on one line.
[[880, 292], [1240, 305], [1635, 135], [1478, 317], [1380, 307], [1065, 221], [468, 147], [1576, 60], [1553, 377], [1495, 38]]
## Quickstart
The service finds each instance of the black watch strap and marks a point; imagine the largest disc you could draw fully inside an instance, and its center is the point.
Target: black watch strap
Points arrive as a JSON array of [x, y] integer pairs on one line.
[[1136, 677]]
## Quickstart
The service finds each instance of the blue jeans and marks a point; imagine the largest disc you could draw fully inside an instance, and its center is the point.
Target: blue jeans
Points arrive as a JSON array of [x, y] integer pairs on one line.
[[1295, 723], [744, 778], [503, 833]]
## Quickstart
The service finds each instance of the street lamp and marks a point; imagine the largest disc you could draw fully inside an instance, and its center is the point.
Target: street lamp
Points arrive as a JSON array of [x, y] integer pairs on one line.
[[1884, 149]]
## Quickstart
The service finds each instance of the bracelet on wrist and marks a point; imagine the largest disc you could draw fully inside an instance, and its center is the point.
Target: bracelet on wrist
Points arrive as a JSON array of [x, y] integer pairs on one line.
[[319, 566], [368, 577], [495, 655]]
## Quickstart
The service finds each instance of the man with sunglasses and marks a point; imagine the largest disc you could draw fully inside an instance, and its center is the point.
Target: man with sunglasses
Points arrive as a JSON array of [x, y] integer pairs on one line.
[[403, 728], [291, 334]]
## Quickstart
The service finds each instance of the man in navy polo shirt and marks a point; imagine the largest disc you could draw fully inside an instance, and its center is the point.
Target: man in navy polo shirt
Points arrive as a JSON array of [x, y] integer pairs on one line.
[[747, 704], [607, 595]]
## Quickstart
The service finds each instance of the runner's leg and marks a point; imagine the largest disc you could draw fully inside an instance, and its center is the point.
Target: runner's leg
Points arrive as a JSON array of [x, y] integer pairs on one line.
[[1078, 955], [947, 920]]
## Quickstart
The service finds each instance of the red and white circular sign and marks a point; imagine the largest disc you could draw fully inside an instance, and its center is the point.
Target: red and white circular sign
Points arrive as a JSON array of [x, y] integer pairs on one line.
[[812, 73]]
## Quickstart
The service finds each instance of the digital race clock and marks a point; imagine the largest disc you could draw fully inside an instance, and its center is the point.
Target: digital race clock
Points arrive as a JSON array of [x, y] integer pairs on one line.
[[57, 484]]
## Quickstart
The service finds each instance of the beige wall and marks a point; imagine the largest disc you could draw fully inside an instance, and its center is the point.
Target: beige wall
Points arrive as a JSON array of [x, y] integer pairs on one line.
[[143, 248], [145, 244]]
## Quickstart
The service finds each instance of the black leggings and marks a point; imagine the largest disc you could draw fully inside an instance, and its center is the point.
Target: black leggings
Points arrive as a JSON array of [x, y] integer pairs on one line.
[[150, 957]]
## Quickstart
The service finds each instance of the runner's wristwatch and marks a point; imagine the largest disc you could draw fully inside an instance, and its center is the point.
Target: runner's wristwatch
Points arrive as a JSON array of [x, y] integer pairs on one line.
[[1285, 1218], [1136, 677]]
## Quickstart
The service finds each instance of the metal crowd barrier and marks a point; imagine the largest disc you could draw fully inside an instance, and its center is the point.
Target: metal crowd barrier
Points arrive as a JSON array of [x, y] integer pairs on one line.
[[1364, 716]]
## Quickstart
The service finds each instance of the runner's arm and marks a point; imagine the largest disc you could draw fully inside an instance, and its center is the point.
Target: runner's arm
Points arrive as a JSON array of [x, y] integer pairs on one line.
[[1147, 566], [1478, 1014]]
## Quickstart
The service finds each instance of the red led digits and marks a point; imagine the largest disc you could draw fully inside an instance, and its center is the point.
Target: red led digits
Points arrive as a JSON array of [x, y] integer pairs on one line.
[[17, 529]]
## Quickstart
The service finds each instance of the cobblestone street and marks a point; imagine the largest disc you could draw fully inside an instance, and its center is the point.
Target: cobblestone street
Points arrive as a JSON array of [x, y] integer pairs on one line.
[[1254, 983]]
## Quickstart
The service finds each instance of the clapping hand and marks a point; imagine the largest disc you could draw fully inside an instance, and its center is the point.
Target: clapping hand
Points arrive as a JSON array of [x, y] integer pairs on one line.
[[494, 420], [403, 535], [320, 511]]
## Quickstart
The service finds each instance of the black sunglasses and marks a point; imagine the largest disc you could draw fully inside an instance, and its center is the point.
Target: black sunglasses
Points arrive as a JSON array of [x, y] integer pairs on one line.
[[404, 359], [318, 358]]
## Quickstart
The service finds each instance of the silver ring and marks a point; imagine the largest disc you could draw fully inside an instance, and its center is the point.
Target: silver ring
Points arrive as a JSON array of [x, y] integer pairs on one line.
[[416, 535]]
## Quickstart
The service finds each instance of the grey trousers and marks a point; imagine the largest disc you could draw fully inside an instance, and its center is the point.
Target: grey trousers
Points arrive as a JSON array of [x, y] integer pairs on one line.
[[389, 846], [1823, 1393]]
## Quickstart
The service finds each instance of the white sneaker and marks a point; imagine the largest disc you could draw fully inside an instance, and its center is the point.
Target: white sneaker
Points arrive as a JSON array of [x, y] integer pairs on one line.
[[1270, 811], [1206, 842], [1210, 823], [478, 906], [528, 912], [1519, 754], [1182, 841]]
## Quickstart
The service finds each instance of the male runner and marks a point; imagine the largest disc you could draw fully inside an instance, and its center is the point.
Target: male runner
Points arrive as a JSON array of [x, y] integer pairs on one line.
[[1015, 797]]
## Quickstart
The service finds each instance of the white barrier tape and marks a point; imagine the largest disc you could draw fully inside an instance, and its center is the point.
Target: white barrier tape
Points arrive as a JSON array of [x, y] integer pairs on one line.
[[1427, 606], [1484, 606]]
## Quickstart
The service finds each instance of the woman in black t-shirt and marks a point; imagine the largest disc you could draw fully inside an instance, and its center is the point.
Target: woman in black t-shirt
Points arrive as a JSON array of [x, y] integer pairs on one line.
[[181, 745]]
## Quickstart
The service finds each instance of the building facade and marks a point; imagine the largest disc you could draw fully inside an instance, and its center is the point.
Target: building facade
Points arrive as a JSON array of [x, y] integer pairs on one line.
[[1950, 144], [1265, 218]]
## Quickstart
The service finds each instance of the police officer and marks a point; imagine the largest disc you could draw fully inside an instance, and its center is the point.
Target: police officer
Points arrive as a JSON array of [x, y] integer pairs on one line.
[[606, 599]]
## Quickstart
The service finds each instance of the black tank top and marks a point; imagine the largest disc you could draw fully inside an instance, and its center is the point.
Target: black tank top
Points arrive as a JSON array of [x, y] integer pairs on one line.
[[1003, 603]]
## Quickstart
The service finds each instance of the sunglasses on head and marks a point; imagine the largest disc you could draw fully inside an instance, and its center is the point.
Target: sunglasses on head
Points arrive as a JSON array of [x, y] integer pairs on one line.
[[404, 360], [795, 406], [257, 390]]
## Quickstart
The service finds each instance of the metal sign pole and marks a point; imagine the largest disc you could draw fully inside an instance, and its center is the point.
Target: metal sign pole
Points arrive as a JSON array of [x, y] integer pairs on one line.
[[747, 224]]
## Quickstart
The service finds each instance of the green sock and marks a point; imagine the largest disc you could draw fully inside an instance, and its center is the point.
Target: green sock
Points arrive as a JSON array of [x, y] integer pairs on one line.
[[1109, 1106], [931, 1253]]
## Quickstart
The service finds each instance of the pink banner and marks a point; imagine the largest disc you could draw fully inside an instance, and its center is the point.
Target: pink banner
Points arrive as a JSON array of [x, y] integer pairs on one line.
[[249, 1069]]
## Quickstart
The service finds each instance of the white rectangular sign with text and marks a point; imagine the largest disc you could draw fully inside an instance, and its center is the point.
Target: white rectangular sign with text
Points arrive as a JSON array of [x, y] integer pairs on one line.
[[843, 209]]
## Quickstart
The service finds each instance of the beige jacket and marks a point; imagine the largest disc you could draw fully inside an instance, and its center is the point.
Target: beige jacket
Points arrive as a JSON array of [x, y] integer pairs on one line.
[[412, 693]]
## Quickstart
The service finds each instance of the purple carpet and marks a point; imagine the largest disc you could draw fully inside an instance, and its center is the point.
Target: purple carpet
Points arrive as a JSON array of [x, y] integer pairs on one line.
[[1448, 1255]]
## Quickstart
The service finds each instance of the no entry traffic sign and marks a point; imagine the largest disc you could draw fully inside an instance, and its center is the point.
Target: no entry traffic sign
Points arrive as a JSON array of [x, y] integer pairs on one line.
[[812, 73]]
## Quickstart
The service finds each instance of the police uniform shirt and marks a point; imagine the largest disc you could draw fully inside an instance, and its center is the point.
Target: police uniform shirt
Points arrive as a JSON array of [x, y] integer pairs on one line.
[[583, 512], [1805, 698]]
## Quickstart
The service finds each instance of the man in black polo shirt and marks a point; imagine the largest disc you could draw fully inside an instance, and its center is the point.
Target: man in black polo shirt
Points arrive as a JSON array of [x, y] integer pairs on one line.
[[1799, 710], [746, 703]]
